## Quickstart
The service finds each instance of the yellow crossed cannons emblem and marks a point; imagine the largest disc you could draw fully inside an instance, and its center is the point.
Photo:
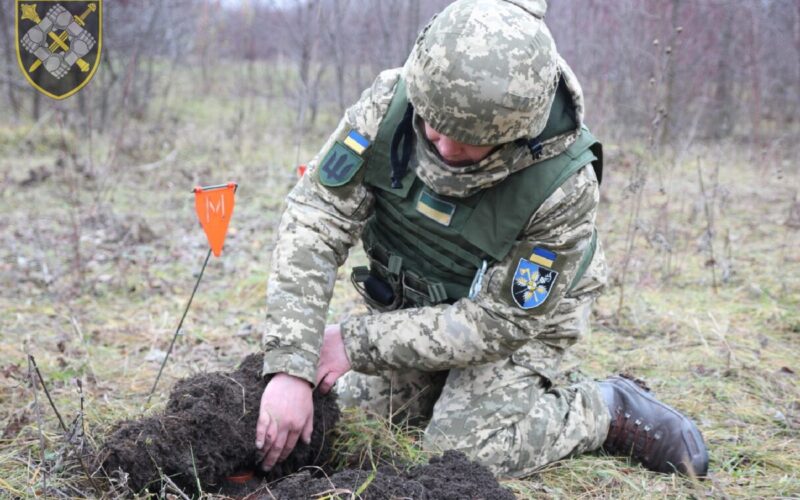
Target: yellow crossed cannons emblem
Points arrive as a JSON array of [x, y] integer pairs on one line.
[[58, 43]]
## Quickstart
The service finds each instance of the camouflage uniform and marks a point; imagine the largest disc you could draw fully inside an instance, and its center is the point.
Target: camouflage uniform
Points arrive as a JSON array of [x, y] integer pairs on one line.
[[480, 369]]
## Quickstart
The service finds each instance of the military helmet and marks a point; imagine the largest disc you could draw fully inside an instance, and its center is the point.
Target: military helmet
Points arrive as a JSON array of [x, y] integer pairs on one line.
[[484, 71]]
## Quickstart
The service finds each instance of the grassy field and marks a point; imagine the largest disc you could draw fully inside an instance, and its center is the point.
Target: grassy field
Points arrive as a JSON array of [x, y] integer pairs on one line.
[[101, 246]]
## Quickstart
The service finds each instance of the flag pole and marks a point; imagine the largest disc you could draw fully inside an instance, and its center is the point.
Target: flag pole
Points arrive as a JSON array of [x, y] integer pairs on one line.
[[180, 324], [216, 239]]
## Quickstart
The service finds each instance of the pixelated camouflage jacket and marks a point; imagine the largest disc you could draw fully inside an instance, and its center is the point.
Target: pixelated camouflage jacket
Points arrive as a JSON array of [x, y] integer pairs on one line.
[[320, 225]]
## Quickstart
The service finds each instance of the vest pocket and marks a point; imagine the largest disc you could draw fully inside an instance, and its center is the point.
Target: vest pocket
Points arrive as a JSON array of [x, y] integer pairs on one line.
[[419, 292], [386, 286], [380, 283]]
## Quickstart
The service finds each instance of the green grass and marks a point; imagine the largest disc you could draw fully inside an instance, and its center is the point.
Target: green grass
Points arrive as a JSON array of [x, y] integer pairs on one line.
[[368, 440], [728, 359]]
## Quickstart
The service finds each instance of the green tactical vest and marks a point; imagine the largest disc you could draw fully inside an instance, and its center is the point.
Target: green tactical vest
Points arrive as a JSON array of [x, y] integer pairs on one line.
[[426, 257]]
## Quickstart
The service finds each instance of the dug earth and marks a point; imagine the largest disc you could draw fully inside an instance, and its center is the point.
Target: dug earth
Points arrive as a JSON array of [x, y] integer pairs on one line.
[[206, 433]]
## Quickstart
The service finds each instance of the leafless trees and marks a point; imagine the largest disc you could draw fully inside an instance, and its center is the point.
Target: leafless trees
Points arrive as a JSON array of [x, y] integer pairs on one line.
[[709, 69], [672, 70]]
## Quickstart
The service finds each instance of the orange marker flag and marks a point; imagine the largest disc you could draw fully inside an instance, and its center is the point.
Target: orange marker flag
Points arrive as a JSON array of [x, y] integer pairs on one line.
[[214, 206]]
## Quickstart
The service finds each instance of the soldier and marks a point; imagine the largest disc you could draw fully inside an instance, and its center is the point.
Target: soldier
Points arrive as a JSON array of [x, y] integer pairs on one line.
[[471, 180]]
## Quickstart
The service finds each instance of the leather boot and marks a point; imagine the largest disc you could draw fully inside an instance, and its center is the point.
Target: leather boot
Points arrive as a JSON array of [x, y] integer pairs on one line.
[[650, 432]]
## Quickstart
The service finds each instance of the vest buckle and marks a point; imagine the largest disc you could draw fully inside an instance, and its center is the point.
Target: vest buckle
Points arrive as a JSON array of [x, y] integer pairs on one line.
[[437, 292], [361, 274], [535, 147], [477, 281], [395, 265]]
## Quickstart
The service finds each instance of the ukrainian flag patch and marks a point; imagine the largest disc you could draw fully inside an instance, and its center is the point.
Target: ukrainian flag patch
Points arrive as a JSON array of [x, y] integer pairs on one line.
[[356, 142], [543, 257], [436, 209]]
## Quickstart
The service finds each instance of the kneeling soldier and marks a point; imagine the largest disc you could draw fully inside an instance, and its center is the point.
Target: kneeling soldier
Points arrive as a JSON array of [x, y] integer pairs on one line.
[[472, 182]]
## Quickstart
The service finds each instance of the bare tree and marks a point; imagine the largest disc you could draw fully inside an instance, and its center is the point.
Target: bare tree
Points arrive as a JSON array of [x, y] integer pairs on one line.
[[338, 44], [670, 63], [7, 44]]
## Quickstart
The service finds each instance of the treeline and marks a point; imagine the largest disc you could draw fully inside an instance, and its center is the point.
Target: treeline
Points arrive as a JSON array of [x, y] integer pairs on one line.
[[678, 69], [669, 71]]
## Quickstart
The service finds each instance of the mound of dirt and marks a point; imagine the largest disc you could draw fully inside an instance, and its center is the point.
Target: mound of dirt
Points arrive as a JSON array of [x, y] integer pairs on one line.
[[449, 477], [207, 432]]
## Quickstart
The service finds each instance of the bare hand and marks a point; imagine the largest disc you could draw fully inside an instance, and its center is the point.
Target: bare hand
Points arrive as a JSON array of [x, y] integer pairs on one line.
[[333, 362], [286, 414]]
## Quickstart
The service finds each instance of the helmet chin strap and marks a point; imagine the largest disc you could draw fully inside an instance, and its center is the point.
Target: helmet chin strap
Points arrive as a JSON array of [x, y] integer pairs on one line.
[[403, 134]]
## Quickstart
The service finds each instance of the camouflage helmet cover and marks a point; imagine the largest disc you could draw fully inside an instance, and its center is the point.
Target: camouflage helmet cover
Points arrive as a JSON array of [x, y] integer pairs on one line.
[[484, 71]]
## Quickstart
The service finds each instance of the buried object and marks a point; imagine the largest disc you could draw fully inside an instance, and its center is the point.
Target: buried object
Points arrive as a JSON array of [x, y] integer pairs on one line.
[[207, 432]]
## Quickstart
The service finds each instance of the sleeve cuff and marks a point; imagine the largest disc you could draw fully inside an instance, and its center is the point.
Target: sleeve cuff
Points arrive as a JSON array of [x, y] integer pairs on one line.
[[357, 346], [301, 364]]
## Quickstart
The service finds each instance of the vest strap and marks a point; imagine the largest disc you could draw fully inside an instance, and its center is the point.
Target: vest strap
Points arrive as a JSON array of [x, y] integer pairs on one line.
[[381, 149], [586, 260]]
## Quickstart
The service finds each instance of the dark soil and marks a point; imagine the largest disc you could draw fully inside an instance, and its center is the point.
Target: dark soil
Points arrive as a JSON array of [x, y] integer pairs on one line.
[[207, 432], [449, 477]]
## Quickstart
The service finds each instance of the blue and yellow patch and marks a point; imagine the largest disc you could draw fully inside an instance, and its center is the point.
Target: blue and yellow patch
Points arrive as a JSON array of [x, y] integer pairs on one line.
[[533, 280], [356, 142], [542, 257], [434, 208]]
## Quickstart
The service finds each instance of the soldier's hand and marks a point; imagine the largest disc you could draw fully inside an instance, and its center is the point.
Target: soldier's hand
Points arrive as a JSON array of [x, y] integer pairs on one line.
[[333, 362], [287, 413]]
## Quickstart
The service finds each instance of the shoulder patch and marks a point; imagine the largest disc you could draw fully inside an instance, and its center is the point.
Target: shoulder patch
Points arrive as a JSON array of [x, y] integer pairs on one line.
[[339, 165], [533, 279], [356, 142]]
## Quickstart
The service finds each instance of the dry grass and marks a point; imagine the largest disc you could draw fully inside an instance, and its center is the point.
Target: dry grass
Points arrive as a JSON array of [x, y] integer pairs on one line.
[[103, 313]]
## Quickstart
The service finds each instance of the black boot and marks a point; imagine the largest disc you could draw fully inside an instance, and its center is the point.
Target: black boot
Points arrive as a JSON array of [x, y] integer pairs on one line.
[[650, 432]]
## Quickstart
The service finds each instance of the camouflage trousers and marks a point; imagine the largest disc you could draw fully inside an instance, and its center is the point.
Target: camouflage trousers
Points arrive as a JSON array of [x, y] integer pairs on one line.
[[507, 415]]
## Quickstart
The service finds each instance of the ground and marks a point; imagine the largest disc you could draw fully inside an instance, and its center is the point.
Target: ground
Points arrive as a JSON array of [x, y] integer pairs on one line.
[[100, 250]]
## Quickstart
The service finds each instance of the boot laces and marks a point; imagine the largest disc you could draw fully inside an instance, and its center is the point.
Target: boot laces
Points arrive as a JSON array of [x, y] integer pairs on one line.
[[631, 436]]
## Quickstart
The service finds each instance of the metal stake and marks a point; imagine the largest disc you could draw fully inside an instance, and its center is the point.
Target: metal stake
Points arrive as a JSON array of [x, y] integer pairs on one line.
[[180, 324]]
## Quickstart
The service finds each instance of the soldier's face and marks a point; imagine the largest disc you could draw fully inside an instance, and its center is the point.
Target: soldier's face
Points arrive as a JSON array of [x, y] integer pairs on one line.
[[454, 153]]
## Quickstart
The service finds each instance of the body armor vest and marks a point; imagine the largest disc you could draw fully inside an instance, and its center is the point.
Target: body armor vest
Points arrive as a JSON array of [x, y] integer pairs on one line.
[[425, 248]]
